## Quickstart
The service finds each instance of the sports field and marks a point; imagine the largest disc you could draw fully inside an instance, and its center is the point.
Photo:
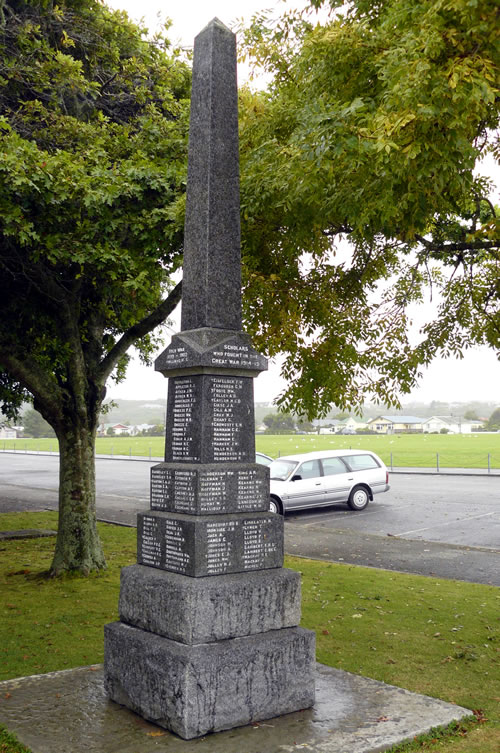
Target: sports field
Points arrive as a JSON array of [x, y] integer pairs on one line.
[[398, 451]]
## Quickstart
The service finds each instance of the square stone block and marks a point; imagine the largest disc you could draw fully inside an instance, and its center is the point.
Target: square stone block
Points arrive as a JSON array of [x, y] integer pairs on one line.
[[192, 690], [202, 610], [211, 488], [199, 545]]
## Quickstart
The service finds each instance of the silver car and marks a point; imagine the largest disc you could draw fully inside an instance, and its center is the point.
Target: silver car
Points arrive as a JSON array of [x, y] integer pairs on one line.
[[315, 479]]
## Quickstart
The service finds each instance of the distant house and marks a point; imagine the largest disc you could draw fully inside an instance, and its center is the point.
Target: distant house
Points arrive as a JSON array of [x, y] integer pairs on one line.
[[326, 429], [351, 423], [453, 424], [396, 424], [8, 432], [118, 429], [326, 426]]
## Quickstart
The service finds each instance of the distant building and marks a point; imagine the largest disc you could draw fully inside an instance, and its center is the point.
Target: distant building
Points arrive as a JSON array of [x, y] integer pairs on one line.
[[118, 429], [8, 432], [396, 424], [454, 424], [350, 424]]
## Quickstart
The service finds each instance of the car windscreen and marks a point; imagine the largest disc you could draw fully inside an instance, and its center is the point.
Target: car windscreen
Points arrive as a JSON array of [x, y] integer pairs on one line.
[[262, 459], [280, 470]]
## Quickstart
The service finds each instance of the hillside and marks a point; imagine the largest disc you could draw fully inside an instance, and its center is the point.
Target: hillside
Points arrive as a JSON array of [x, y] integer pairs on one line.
[[133, 412]]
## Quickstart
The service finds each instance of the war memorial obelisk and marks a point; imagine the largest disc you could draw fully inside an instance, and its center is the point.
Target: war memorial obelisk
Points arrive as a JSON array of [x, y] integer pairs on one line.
[[208, 637]]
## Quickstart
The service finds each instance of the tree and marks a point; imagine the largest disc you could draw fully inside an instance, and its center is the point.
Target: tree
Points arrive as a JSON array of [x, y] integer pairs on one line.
[[158, 430], [303, 424], [35, 425], [493, 423], [92, 173], [370, 132], [471, 415], [279, 423]]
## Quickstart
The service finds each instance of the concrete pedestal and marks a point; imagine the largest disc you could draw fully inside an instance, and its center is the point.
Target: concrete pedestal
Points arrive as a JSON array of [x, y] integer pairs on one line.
[[209, 687]]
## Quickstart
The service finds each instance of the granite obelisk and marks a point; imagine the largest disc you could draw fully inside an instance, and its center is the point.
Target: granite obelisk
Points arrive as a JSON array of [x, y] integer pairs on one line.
[[208, 637]]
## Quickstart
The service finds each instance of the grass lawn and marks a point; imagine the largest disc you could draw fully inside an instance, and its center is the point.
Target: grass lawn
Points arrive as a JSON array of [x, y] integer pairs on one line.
[[420, 450], [432, 636]]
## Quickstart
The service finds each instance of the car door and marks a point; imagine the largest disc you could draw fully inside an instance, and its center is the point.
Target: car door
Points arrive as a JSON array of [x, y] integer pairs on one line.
[[337, 479], [305, 489]]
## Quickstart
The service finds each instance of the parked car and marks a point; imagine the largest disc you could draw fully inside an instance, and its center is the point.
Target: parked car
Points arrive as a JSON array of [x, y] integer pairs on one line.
[[263, 459], [315, 479]]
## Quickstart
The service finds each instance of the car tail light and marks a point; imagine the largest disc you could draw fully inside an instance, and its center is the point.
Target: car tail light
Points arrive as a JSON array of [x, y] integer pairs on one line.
[[387, 477]]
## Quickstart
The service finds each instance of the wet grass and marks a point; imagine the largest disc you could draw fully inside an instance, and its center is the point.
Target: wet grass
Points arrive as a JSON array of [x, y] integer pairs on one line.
[[413, 450], [428, 635]]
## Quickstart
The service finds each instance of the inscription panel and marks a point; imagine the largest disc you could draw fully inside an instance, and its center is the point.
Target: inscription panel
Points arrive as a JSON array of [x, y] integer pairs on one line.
[[204, 545], [229, 425], [183, 418], [210, 420], [210, 489], [150, 542], [226, 401]]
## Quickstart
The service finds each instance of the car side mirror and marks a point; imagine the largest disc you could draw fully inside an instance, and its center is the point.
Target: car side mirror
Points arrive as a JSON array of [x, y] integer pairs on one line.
[[297, 478]]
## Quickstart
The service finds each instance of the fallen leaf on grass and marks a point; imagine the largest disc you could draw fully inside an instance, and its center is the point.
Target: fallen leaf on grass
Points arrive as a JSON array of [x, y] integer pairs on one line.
[[325, 632], [390, 661], [478, 713], [159, 733], [18, 572], [7, 695], [383, 719]]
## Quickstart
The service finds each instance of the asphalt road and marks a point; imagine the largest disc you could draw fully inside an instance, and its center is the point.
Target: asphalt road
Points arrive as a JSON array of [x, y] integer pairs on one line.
[[431, 525]]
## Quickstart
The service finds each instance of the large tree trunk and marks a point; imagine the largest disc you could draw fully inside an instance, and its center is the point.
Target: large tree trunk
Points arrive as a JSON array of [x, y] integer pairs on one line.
[[78, 547]]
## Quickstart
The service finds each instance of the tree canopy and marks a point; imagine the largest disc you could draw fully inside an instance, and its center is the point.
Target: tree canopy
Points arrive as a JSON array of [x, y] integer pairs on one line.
[[93, 137], [370, 131]]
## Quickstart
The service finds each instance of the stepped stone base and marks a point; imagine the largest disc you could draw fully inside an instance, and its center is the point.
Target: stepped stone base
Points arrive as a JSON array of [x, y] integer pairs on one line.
[[192, 690], [202, 610]]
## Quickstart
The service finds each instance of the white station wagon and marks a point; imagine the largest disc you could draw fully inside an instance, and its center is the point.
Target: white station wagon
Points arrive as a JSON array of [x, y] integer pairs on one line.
[[315, 479]]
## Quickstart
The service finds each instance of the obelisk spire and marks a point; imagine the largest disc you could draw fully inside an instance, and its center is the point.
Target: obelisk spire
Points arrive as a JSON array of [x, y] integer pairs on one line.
[[211, 288]]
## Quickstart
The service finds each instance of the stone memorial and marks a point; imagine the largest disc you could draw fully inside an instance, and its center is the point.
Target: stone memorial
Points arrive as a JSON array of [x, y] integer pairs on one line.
[[208, 637]]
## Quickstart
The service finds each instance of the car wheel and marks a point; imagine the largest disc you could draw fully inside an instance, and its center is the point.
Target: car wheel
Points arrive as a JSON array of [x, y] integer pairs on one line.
[[358, 498], [275, 505]]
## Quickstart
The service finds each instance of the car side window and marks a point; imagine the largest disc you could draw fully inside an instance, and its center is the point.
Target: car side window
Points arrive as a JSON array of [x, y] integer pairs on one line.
[[331, 466], [309, 469], [361, 462]]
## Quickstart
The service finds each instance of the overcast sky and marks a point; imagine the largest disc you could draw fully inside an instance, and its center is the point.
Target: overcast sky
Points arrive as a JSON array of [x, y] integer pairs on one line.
[[476, 376]]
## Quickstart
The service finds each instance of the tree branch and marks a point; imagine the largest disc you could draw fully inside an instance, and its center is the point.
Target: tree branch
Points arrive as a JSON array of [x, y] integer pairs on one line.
[[137, 331], [44, 389], [457, 247]]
